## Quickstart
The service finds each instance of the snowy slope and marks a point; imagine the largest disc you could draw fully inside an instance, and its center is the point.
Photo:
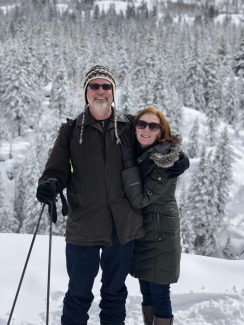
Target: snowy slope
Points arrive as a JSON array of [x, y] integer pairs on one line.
[[210, 291]]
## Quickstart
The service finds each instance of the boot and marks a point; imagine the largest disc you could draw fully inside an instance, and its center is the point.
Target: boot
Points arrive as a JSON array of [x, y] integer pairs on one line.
[[163, 321], [148, 314]]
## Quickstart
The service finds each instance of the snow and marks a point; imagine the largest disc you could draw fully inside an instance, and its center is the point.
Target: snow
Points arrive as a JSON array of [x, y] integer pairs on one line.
[[209, 291]]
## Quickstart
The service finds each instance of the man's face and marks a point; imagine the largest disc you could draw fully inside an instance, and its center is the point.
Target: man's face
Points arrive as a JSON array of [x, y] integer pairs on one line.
[[99, 100]]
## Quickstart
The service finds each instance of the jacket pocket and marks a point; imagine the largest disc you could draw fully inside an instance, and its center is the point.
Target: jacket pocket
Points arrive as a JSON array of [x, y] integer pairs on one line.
[[167, 226], [77, 212]]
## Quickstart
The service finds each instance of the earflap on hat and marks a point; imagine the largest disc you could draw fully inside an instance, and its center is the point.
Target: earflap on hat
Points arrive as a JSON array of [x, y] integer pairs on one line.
[[99, 71]]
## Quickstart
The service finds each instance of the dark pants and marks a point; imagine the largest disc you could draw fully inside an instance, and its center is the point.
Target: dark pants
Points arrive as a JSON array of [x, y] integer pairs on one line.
[[157, 295], [82, 266]]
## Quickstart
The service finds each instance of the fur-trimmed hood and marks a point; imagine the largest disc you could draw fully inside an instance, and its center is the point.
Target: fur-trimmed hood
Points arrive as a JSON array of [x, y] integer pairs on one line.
[[167, 153]]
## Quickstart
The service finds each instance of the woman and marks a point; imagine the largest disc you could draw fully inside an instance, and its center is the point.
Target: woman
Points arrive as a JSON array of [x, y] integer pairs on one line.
[[156, 257]]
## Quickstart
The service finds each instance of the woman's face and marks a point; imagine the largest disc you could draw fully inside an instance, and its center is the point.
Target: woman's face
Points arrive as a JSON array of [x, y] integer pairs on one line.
[[145, 136]]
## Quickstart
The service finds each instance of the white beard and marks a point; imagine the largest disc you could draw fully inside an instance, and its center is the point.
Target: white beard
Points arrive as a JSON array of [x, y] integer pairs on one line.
[[100, 108]]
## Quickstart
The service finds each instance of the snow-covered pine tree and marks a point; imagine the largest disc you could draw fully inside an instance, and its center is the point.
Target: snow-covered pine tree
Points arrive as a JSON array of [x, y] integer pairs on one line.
[[223, 163], [160, 88], [186, 226], [8, 221], [212, 81], [150, 70], [228, 250], [239, 59], [192, 147], [232, 102], [31, 206], [198, 200], [213, 110], [60, 90], [210, 247], [20, 184], [123, 63], [18, 95], [46, 67], [224, 53], [126, 99], [195, 79], [174, 110]]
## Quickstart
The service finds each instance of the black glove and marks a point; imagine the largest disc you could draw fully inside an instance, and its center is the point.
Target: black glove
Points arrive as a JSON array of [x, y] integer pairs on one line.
[[179, 166], [127, 151], [45, 193]]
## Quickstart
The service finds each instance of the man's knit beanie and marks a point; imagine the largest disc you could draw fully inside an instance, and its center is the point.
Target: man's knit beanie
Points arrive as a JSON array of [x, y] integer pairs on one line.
[[99, 71]]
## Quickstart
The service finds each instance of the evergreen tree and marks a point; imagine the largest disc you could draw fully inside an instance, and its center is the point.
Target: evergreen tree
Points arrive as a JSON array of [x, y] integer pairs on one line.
[[123, 63], [174, 109], [210, 247], [31, 207], [195, 79], [60, 90], [212, 82], [193, 144], [213, 111], [20, 183], [231, 103], [186, 226], [126, 102], [18, 95], [198, 200], [8, 222], [46, 67], [226, 61], [160, 89], [239, 60], [223, 162], [228, 250]]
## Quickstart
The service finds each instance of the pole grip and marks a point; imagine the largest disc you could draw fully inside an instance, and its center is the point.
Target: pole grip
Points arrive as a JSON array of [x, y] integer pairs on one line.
[[52, 207]]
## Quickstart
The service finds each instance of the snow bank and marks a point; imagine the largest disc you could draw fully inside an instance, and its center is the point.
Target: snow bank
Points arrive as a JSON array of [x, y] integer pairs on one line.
[[210, 290]]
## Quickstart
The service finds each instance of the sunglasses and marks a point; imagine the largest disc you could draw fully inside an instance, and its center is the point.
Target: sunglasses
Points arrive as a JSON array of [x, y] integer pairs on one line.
[[97, 86], [152, 126]]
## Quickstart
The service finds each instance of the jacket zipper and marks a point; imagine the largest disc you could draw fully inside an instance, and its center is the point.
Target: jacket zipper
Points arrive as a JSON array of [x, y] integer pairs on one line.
[[159, 227]]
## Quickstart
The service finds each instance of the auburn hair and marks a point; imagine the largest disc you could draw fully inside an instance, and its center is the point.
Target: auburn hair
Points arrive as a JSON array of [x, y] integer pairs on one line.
[[166, 134]]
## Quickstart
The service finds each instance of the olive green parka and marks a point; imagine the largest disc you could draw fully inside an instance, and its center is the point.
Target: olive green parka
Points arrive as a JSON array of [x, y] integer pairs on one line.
[[156, 256], [96, 199]]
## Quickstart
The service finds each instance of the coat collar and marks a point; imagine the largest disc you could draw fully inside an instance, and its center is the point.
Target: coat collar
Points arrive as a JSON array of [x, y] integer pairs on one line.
[[165, 154], [89, 119]]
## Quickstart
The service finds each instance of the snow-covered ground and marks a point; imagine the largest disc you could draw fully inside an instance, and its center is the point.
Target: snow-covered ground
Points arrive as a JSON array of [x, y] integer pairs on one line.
[[210, 290]]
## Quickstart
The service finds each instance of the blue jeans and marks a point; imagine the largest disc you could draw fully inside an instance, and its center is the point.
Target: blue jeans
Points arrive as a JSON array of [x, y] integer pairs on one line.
[[82, 267], [157, 295]]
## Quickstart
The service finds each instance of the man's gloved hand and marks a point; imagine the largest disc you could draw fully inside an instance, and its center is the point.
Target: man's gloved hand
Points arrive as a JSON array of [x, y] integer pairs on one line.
[[45, 193], [179, 166], [127, 151]]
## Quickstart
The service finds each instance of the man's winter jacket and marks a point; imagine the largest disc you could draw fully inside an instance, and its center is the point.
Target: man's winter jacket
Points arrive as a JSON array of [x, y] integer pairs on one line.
[[95, 194], [156, 256]]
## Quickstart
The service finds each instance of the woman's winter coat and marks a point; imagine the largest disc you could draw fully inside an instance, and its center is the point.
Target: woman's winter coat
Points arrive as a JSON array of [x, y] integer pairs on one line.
[[156, 257]]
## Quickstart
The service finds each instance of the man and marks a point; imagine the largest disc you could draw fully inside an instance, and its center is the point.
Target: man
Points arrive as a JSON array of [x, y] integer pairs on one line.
[[100, 219]]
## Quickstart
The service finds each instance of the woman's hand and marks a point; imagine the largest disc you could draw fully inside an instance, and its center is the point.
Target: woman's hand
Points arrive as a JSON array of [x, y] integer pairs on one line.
[[127, 150]]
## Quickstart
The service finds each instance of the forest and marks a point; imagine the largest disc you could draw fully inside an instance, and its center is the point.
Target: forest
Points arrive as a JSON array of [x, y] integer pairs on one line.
[[161, 60]]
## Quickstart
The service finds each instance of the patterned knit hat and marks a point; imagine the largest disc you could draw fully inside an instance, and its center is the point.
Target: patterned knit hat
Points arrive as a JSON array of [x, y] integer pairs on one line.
[[99, 71]]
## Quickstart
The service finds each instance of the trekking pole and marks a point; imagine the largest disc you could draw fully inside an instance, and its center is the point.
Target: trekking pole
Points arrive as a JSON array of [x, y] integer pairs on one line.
[[52, 182], [26, 263]]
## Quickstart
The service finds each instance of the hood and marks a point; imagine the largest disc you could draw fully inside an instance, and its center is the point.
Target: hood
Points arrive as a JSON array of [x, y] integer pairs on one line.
[[167, 153]]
